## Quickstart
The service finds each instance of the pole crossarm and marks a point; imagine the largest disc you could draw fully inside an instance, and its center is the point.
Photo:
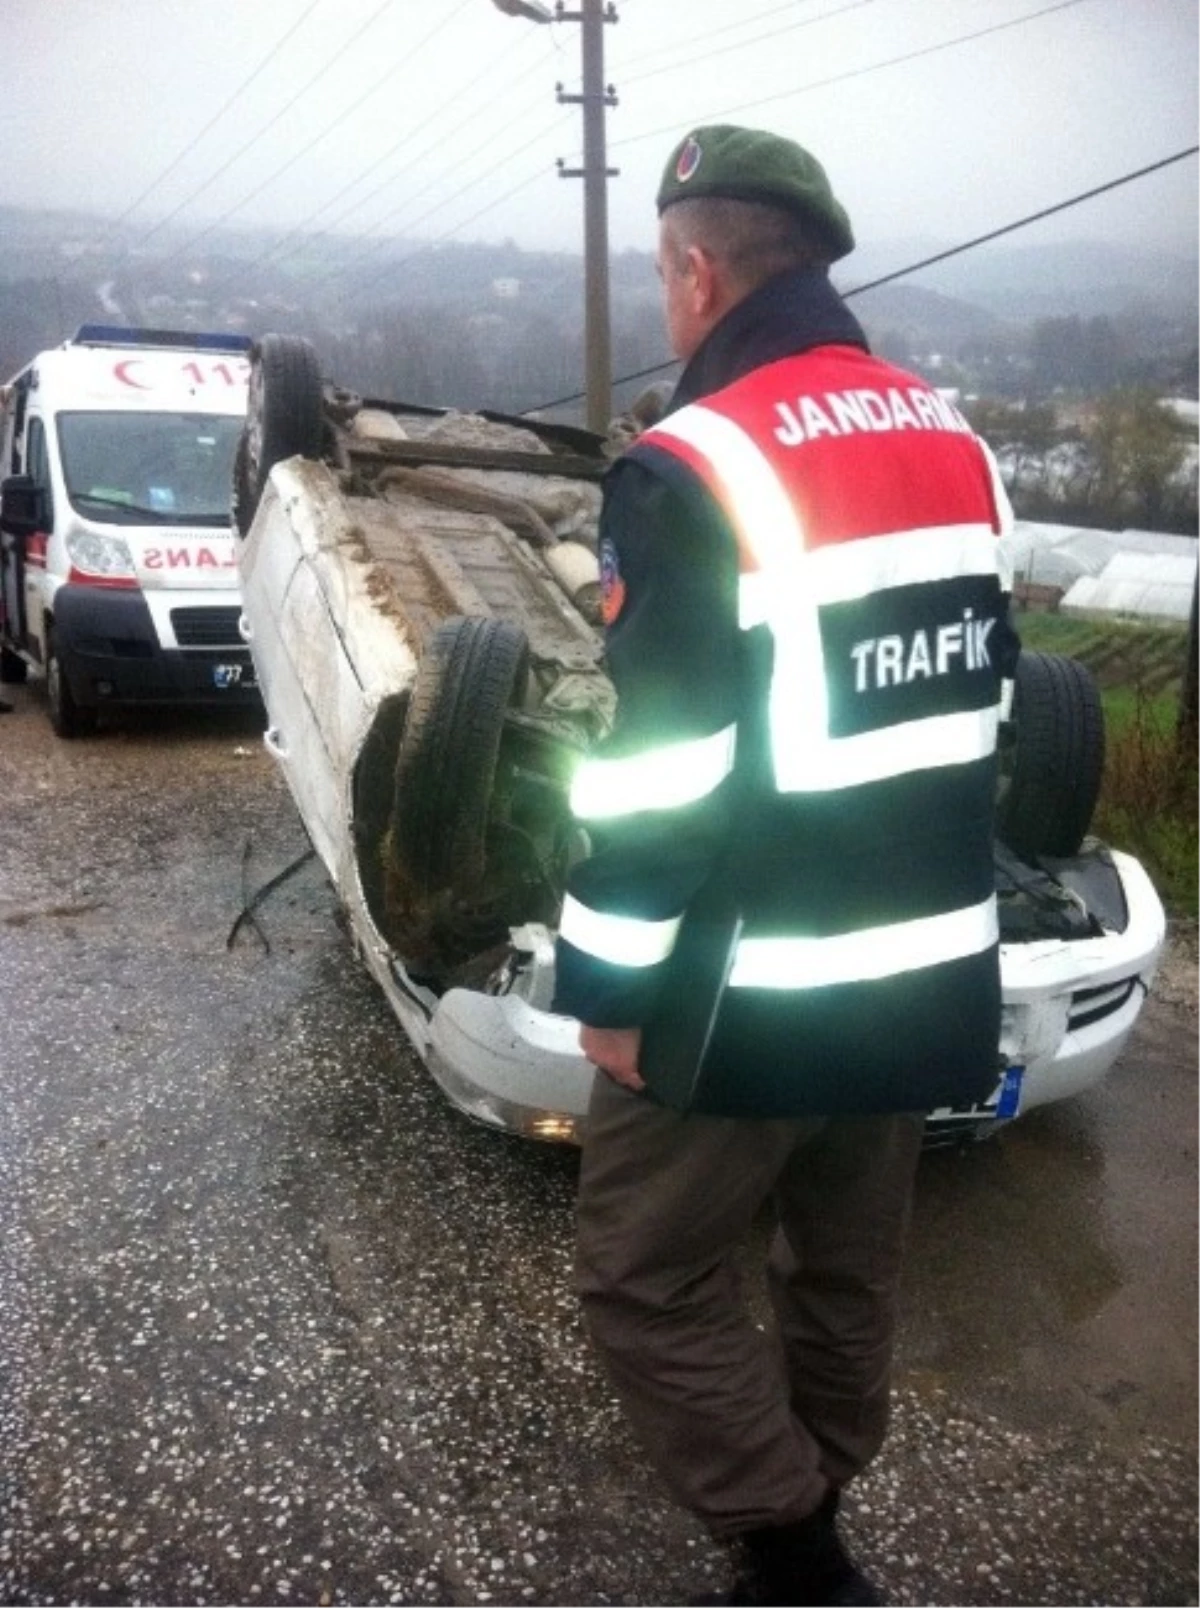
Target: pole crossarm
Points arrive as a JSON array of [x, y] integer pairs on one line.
[[608, 14], [565, 172], [609, 97]]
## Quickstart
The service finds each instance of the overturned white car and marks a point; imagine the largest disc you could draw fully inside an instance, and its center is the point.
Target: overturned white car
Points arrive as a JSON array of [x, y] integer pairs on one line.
[[421, 591]]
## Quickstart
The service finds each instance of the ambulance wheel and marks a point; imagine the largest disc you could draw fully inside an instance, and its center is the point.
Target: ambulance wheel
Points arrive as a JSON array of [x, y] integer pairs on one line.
[[13, 669], [285, 417], [1050, 777], [68, 718], [470, 673]]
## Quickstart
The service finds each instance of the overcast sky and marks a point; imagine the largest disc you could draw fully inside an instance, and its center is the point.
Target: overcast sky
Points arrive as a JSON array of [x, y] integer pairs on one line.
[[437, 119]]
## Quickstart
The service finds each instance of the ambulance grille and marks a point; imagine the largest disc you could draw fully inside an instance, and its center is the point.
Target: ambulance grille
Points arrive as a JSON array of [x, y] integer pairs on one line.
[[207, 628]]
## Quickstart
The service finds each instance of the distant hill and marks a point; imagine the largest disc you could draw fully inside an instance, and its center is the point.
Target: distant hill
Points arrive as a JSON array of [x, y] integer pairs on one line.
[[519, 313], [924, 314], [1009, 281]]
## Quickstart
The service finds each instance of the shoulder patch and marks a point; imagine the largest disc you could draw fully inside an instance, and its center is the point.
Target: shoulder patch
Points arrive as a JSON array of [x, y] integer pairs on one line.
[[612, 586]]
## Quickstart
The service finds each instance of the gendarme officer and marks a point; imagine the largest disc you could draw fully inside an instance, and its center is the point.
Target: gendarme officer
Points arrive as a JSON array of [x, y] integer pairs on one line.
[[783, 947]]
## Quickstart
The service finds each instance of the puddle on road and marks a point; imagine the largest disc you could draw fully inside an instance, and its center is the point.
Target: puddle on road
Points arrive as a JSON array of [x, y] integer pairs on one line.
[[1029, 1278]]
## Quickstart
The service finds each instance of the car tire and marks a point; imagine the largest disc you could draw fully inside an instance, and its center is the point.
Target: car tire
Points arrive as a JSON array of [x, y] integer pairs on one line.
[[1051, 779], [470, 673], [285, 418], [13, 669], [69, 719]]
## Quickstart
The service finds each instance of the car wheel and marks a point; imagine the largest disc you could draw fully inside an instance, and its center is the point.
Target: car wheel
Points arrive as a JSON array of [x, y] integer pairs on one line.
[[68, 718], [468, 677], [1050, 779], [13, 668], [284, 417]]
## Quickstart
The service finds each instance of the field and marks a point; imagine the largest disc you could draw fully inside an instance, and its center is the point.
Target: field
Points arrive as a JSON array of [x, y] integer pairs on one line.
[[1148, 801], [1122, 655]]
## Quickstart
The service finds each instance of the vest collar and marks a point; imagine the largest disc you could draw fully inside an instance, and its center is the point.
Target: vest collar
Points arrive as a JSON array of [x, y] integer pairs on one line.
[[789, 314]]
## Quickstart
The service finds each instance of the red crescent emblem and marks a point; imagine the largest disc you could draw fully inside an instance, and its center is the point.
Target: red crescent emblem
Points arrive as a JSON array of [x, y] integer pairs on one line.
[[121, 370]]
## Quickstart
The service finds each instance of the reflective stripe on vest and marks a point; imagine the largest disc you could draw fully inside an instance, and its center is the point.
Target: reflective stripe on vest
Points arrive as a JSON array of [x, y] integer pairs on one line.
[[656, 779], [618, 940], [782, 585], [875, 952]]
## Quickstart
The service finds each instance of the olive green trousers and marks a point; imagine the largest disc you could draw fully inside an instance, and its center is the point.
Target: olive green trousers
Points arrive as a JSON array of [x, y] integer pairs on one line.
[[749, 1426]]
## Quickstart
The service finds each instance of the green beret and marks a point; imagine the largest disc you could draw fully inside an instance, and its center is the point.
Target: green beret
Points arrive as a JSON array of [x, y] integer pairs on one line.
[[747, 164]]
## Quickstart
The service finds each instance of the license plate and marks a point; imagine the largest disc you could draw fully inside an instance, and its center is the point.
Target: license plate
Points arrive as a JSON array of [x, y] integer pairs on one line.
[[1002, 1105], [1008, 1096], [233, 675]]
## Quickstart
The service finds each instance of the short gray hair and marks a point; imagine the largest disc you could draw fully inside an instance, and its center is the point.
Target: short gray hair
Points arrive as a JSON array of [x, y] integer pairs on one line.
[[753, 239]]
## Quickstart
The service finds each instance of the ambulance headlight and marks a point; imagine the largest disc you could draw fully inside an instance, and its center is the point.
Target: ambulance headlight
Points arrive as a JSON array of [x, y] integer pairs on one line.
[[97, 554]]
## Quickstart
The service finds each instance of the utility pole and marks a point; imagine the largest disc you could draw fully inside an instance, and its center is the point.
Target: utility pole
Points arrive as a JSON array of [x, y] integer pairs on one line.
[[595, 173], [596, 96]]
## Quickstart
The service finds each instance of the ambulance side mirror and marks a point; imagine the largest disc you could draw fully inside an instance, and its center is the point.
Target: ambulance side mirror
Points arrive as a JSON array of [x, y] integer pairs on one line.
[[22, 505]]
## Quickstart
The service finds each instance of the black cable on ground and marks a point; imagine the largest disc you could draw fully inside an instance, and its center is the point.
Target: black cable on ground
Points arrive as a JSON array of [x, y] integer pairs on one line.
[[251, 902]]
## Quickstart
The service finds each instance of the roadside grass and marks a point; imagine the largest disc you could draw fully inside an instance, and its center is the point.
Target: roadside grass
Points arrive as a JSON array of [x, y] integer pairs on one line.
[[1148, 797]]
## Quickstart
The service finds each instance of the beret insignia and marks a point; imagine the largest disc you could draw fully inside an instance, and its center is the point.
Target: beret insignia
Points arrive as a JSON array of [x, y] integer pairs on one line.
[[689, 159]]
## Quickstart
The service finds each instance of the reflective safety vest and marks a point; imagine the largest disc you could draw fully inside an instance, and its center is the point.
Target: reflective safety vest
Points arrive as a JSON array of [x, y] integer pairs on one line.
[[850, 931]]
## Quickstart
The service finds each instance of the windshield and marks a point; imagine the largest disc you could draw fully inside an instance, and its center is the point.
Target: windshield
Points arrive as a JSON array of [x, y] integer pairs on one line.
[[150, 468]]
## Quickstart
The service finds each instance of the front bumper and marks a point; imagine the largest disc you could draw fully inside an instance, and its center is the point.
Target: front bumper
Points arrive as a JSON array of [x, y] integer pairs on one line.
[[1069, 1008], [111, 651]]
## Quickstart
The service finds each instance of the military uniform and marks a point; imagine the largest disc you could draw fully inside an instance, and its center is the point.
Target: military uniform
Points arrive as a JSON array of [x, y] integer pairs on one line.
[[790, 888]]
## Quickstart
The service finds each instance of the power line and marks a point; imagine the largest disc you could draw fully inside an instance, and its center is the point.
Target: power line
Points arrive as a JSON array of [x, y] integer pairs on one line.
[[382, 245], [324, 133], [217, 115], [254, 138], [521, 38], [423, 250], [487, 143], [741, 44], [1033, 217], [387, 267], [729, 27], [415, 156], [857, 72], [926, 262]]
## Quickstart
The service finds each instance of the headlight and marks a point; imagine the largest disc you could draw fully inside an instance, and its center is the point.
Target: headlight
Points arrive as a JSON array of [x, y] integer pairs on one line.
[[98, 554]]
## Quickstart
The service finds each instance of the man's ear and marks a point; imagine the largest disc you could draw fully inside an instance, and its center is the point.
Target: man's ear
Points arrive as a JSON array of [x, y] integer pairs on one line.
[[703, 276]]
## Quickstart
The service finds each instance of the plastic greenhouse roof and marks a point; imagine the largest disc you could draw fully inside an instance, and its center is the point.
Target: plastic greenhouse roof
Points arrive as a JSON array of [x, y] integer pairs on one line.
[[1153, 586], [1068, 556]]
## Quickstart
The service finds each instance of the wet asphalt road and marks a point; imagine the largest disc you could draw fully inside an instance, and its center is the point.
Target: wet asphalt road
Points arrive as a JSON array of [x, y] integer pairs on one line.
[[281, 1327]]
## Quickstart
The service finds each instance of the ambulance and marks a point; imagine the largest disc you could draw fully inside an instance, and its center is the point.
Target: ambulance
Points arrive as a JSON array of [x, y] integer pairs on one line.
[[118, 569]]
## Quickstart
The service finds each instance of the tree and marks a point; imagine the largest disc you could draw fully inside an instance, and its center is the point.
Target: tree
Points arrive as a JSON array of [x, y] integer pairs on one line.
[[1139, 453], [1022, 436], [1075, 354]]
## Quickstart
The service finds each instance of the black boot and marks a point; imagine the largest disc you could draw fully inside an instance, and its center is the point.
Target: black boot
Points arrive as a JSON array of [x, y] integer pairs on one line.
[[803, 1565]]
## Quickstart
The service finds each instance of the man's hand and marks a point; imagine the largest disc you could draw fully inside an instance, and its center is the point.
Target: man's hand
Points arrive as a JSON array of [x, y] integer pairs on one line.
[[615, 1051]]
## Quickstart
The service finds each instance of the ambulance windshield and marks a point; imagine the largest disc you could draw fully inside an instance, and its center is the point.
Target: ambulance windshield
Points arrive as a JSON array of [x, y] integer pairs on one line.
[[150, 468]]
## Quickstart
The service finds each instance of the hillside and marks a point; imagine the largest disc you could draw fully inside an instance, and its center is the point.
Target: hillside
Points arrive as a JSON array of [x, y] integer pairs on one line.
[[470, 323]]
